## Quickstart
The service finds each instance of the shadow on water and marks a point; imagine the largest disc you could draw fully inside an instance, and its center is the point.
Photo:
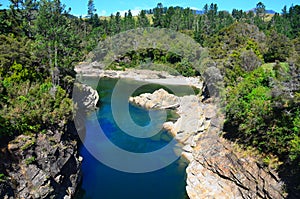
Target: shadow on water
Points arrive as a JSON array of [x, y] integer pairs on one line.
[[102, 182]]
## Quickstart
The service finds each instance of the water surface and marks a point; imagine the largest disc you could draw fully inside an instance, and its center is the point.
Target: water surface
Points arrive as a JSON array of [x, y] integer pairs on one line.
[[103, 182]]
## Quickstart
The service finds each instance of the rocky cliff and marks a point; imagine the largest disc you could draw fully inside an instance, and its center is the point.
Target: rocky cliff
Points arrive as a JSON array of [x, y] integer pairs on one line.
[[43, 165], [46, 165], [215, 170]]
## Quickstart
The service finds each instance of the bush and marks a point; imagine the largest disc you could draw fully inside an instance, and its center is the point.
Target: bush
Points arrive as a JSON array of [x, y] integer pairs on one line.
[[253, 112], [33, 107]]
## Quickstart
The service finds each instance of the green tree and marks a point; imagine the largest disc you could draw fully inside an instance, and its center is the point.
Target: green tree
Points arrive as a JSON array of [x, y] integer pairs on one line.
[[142, 20], [22, 14], [158, 16], [129, 21], [294, 16], [260, 10], [279, 47], [91, 8], [57, 44]]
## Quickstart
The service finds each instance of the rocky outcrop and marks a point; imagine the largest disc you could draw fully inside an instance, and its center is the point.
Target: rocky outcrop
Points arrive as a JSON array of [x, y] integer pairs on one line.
[[215, 169], [85, 97], [44, 165], [160, 99]]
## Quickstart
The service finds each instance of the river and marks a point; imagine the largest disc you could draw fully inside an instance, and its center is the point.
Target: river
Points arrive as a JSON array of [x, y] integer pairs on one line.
[[102, 182]]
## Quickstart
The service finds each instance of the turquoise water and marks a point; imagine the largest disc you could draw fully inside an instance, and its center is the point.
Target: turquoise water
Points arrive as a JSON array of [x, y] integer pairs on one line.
[[102, 182]]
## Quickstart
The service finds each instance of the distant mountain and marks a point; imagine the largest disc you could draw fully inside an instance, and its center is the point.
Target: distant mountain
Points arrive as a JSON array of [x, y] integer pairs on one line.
[[199, 12], [271, 11], [267, 11]]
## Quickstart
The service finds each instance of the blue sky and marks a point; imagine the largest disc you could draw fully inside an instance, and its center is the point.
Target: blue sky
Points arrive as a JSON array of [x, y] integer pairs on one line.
[[106, 7]]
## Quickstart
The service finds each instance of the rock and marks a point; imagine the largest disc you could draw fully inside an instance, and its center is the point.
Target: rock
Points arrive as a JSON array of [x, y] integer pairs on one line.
[[6, 190], [187, 148], [85, 97], [217, 172], [188, 156], [210, 111], [160, 99], [53, 167]]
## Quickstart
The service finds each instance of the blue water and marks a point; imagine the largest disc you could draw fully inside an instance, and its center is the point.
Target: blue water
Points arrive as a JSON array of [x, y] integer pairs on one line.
[[102, 182]]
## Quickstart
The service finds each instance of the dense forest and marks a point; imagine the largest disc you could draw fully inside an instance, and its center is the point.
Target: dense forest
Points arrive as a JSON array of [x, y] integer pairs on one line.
[[257, 53]]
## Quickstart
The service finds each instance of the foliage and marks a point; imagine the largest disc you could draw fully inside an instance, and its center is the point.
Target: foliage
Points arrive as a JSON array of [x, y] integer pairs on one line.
[[30, 160], [148, 56], [15, 55], [33, 107], [254, 112], [279, 47], [2, 177]]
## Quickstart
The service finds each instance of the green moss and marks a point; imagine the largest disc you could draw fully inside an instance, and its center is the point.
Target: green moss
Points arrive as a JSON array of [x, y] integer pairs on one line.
[[2, 177], [28, 144], [30, 160]]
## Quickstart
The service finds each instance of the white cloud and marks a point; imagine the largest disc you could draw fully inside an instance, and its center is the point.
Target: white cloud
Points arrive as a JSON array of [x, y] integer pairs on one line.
[[194, 8], [102, 13]]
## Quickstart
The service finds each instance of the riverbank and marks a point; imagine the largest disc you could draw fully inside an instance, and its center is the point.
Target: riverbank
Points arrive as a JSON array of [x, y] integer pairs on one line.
[[215, 169], [151, 76]]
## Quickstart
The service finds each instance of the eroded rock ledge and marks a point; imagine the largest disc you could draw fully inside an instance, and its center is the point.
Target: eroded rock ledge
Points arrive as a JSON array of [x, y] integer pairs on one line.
[[215, 170]]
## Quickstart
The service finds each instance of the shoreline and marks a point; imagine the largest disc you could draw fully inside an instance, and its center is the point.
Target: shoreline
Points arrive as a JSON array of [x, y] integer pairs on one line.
[[151, 76]]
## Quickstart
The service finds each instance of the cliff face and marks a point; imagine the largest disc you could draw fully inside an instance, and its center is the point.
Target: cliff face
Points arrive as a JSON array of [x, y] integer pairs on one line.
[[215, 170], [47, 165], [42, 165]]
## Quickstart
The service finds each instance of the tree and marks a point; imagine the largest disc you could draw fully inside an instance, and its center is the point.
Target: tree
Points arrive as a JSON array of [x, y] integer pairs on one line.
[[22, 13], [260, 10], [57, 44], [118, 22], [91, 8], [129, 21], [142, 20], [237, 14], [294, 15], [281, 24], [15, 51], [279, 47], [158, 16]]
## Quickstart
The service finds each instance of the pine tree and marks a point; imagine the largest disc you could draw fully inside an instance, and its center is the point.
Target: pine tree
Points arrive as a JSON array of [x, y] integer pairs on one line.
[[143, 20], [91, 8], [260, 10], [158, 16], [130, 22], [56, 41]]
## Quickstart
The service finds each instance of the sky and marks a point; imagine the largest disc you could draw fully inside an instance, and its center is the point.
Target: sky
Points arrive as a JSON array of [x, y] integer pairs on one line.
[[106, 7]]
